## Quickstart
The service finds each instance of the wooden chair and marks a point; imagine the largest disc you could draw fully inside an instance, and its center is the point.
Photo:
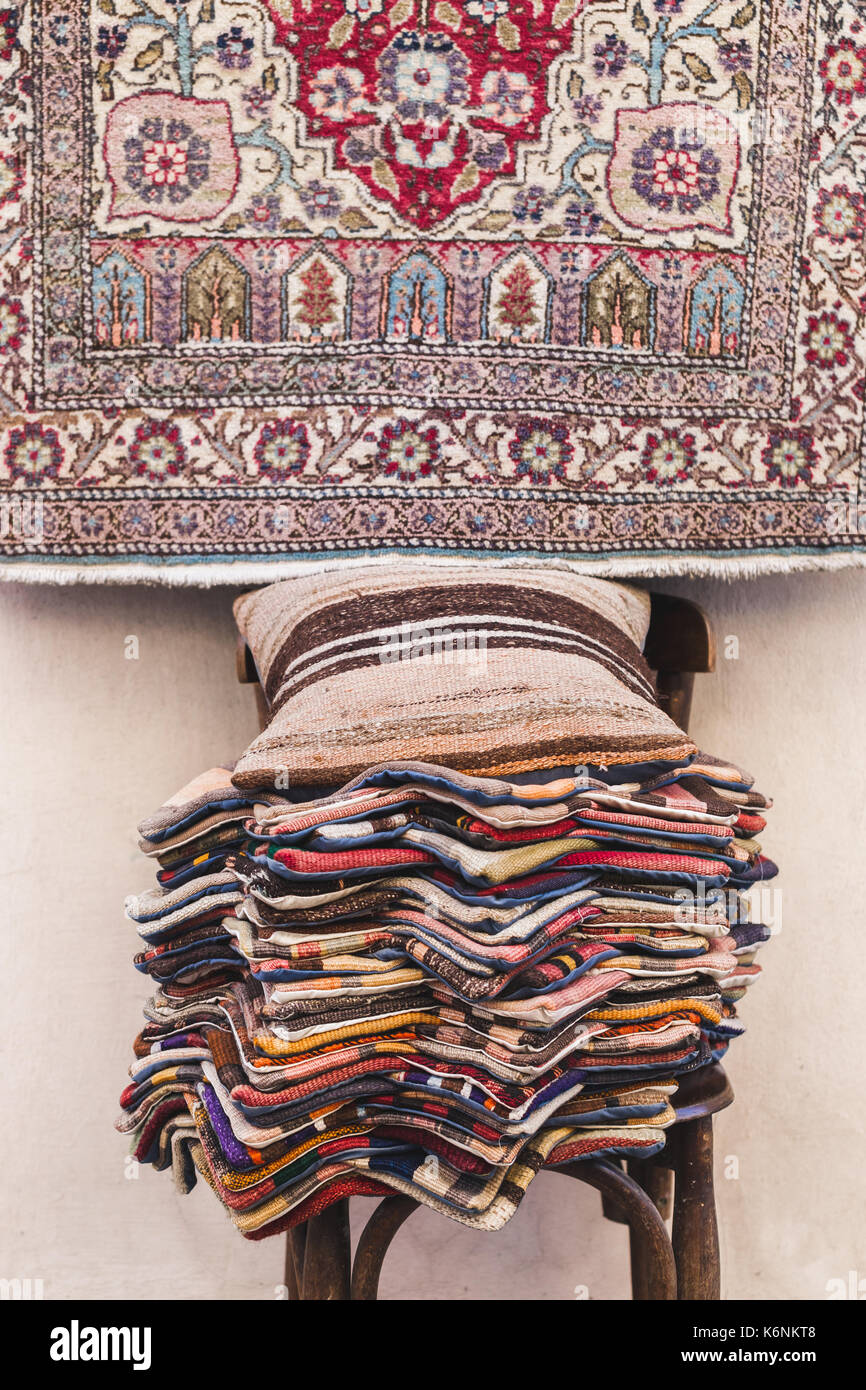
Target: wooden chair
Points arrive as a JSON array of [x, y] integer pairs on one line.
[[642, 1193]]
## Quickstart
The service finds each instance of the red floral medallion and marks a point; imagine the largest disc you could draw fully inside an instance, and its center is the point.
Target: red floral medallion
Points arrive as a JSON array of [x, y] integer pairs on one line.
[[427, 114]]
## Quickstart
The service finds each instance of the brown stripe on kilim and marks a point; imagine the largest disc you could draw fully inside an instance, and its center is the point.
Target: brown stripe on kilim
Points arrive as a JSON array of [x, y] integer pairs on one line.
[[663, 890], [225, 1058], [406, 646], [526, 641], [351, 616], [274, 918], [558, 752]]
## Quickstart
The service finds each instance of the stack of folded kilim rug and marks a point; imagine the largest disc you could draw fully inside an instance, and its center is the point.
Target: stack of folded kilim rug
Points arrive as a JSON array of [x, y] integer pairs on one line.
[[492, 948]]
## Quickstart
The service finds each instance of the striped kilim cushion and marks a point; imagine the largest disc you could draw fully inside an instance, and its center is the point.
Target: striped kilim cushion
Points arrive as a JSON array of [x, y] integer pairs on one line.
[[493, 673]]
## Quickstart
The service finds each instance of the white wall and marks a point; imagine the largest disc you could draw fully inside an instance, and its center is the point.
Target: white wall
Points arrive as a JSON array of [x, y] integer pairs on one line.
[[91, 742]]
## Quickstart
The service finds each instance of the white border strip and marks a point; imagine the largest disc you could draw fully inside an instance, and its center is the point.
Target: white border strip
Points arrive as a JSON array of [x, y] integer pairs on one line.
[[245, 573]]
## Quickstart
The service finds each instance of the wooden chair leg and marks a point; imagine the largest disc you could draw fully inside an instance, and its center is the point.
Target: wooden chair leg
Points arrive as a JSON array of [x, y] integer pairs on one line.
[[656, 1182], [376, 1237], [327, 1256], [695, 1234], [656, 1179], [296, 1240]]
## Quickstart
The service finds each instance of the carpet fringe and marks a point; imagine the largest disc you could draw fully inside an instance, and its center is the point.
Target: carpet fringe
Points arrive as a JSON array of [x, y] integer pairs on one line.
[[243, 572]]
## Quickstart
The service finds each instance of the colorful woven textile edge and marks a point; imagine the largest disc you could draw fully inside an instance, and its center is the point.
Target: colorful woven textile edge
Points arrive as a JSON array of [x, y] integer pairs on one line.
[[284, 280]]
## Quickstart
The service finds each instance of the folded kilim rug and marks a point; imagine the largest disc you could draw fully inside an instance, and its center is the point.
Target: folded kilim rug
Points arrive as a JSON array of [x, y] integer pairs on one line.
[[288, 279]]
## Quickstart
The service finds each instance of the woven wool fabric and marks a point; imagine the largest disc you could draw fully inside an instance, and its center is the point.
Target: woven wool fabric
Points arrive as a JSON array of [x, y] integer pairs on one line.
[[442, 1039], [314, 278], [483, 672]]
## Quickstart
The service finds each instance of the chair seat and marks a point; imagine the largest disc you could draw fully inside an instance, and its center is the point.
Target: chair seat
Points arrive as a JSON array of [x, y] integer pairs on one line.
[[702, 1092]]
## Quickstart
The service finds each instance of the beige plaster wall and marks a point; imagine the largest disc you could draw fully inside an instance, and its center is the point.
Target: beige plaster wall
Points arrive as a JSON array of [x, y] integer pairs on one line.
[[91, 741]]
